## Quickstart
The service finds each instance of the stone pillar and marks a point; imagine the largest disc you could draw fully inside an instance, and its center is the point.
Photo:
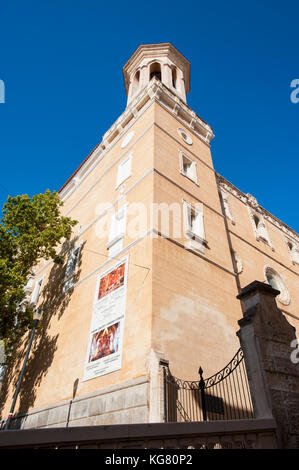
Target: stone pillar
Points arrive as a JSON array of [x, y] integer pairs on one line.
[[181, 85], [266, 336], [156, 392], [144, 76], [166, 74]]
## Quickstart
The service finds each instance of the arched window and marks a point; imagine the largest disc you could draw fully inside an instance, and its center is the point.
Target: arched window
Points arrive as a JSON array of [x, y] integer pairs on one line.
[[256, 221], [259, 226], [275, 280], [137, 77], [155, 71]]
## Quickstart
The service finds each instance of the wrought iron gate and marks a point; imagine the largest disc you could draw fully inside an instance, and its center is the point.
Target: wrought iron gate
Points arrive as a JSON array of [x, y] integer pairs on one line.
[[224, 395]]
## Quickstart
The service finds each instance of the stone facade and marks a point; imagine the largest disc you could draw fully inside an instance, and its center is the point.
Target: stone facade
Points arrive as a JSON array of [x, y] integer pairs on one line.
[[184, 274]]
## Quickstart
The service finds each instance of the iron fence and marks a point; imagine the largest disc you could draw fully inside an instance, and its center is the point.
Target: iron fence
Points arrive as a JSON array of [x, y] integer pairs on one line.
[[223, 396]]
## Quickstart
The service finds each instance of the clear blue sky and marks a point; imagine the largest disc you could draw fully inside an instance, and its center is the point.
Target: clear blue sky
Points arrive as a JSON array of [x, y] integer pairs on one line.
[[61, 61]]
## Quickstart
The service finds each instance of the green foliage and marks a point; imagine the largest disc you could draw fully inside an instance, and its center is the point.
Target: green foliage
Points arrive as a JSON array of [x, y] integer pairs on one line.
[[31, 229]]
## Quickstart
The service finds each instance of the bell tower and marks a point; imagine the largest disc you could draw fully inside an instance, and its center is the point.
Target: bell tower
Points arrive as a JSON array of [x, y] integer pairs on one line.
[[161, 61]]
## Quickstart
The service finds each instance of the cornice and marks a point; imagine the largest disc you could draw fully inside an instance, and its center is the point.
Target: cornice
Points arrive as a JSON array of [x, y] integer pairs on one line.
[[154, 91], [252, 203]]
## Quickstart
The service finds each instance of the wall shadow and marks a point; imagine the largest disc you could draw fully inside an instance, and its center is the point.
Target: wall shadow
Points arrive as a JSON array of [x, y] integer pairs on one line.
[[54, 303]]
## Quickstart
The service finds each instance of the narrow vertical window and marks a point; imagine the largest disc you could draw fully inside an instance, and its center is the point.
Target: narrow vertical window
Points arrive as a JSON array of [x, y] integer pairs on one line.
[[194, 227], [155, 71], [124, 170], [36, 291], [135, 83], [174, 77], [259, 226], [71, 268]]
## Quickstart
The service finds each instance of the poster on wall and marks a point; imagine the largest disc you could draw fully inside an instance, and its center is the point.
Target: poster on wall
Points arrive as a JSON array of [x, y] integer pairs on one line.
[[104, 353]]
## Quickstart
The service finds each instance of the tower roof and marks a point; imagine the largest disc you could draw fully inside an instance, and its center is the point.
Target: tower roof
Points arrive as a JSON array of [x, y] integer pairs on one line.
[[146, 52]]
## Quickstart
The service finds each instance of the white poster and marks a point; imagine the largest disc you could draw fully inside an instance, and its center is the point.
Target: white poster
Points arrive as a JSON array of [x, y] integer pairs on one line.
[[104, 351]]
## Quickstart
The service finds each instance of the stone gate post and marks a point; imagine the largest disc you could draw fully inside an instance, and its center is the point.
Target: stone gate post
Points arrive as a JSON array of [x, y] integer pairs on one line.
[[265, 336]]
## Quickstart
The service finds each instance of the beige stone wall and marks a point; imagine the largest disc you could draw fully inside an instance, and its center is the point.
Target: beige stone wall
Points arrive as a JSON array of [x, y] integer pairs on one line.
[[180, 303], [58, 354], [255, 255], [195, 312]]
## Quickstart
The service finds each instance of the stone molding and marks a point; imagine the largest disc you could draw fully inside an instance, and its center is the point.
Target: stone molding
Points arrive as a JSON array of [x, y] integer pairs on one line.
[[154, 91], [252, 203], [261, 232]]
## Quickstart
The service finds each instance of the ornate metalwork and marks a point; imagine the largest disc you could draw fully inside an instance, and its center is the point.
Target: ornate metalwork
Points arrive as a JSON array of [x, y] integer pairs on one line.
[[228, 395], [226, 371]]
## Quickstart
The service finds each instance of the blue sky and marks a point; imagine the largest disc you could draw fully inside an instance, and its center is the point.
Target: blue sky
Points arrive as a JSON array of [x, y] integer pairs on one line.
[[62, 61]]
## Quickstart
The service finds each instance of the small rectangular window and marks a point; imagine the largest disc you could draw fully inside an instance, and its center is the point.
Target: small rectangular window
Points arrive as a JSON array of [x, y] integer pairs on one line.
[[194, 227], [36, 291], [188, 167], [117, 231], [124, 170]]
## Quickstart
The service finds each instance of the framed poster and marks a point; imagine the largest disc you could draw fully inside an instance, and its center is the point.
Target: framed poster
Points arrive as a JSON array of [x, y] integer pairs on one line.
[[104, 353]]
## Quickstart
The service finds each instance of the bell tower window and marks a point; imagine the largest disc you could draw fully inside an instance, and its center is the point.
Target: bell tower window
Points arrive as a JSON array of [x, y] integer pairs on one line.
[[157, 61], [155, 71], [174, 77]]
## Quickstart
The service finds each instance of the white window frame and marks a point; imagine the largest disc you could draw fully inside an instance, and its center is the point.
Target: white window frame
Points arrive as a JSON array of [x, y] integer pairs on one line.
[[68, 281], [196, 237], [257, 233], [123, 177], [193, 167], [36, 291], [117, 231]]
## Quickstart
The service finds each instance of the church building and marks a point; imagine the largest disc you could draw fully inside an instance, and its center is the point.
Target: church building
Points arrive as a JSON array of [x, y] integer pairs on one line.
[[163, 246]]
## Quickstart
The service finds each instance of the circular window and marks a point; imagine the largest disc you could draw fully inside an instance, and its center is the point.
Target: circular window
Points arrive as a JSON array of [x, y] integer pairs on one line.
[[275, 281], [127, 139], [186, 137]]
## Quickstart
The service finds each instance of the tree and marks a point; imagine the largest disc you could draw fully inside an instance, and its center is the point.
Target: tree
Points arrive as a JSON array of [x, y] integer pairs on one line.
[[31, 229]]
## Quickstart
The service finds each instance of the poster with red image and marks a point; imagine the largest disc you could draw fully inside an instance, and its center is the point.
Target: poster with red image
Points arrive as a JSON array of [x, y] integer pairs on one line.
[[104, 353], [111, 281]]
